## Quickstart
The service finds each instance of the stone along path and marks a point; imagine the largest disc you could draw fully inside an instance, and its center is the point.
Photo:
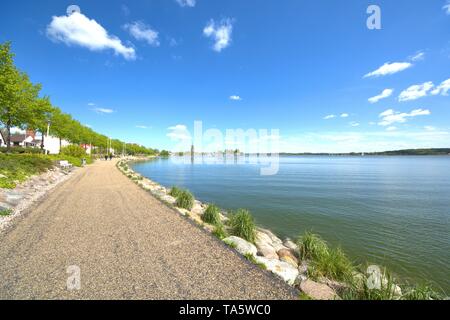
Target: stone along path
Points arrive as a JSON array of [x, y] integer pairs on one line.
[[126, 244]]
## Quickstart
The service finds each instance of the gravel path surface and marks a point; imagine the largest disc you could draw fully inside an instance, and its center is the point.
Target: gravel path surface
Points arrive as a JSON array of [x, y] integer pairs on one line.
[[127, 245]]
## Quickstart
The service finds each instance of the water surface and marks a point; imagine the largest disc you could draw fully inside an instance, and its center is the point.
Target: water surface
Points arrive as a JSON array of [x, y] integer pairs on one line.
[[393, 211]]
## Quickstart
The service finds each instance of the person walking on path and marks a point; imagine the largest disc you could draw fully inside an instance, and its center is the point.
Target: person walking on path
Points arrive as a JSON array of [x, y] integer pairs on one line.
[[106, 157]]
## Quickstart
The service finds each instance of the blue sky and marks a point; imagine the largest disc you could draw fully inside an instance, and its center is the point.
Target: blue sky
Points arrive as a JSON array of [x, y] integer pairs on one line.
[[144, 71]]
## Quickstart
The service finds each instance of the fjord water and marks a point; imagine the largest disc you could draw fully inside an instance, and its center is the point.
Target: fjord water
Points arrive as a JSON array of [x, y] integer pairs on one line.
[[393, 211]]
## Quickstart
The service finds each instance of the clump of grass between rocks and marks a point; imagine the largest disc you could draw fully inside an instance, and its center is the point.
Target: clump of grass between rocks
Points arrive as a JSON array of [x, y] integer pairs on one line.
[[175, 192], [252, 259], [212, 215], [331, 263], [243, 225], [185, 200], [220, 232]]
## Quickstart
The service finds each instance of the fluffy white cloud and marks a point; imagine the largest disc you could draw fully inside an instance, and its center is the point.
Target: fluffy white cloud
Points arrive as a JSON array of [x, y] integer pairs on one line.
[[344, 115], [186, 3], [442, 89], [416, 91], [390, 116], [141, 127], [385, 94], [140, 31], [179, 133], [391, 128], [354, 124], [330, 116], [389, 68], [235, 98], [103, 110], [77, 29], [220, 32]]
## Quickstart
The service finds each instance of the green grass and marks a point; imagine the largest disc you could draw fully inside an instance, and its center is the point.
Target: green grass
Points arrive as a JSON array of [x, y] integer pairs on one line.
[[16, 168], [175, 192], [5, 212], [243, 225], [220, 232], [331, 263], [421, 292], [212, 215], [361, 291], [185, 200]]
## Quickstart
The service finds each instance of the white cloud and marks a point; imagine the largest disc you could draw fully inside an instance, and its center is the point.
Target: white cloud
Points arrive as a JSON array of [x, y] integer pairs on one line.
[[140, 31], [91, 104], [391, 116], [186, 3], [419, 56], [354, 124], [442, 89], [389, 68], [220, 32], [103, 110], [330, 116], [392, 128], [385, 94], [344, 115], [141, 127], [179, 133], [77, 29], [235, 98], [416, 91], [430, 128], [446, 8]]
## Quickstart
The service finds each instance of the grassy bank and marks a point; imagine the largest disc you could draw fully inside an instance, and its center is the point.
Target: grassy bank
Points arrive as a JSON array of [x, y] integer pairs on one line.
[[16, 168]]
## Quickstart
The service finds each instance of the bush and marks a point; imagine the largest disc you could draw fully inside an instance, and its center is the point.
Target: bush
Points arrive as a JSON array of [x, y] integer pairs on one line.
[[73, 151], [311, 246], [212, 215], [21, 150], [242, 225], [324, 261], [164, 154], [185, 200], [175, 192], [5, 212]]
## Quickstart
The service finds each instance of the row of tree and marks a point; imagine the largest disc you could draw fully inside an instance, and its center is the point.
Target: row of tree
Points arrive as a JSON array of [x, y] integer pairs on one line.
[[22, 106]]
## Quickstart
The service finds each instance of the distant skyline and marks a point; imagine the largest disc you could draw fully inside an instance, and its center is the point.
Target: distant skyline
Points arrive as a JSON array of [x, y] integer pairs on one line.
[[145, 71]]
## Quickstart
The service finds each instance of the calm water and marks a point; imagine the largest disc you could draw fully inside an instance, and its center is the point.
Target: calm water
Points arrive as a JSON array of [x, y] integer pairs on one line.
[[393, 211]]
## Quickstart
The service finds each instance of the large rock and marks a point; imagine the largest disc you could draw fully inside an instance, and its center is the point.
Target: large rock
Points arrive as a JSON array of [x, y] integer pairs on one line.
[[264, 246], [288, 243], [287, 255], [376, 279], [317, 291], [271, 236], [242, 246], [283, 269]]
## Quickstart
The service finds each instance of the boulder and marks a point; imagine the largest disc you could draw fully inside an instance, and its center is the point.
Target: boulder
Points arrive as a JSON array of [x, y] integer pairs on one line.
[[264, 246], [317, 291], [283, 269], [376, 279], [270, 235], [242, 246], [286, 255], [288, 243]]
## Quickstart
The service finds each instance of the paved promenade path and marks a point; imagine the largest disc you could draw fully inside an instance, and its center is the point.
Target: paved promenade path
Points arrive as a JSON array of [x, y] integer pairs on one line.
[[126, 244]]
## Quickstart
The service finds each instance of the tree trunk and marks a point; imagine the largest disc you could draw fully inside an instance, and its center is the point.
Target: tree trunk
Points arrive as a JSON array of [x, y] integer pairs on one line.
[[42, 142], [8, 138]]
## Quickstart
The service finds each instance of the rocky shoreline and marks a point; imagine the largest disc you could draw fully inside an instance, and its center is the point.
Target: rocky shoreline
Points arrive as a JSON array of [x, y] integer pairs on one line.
[[14, 202], [280, 257]]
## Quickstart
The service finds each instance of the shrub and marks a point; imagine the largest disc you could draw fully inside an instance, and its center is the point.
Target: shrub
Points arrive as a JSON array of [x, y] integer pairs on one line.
[[73, 151], [175, 192], [16, 168], [242, 225], [311, 246], [185, 200], [212, 215]]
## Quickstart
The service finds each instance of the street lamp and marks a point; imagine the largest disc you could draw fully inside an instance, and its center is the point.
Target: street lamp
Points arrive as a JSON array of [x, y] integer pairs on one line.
[[48, 127]]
